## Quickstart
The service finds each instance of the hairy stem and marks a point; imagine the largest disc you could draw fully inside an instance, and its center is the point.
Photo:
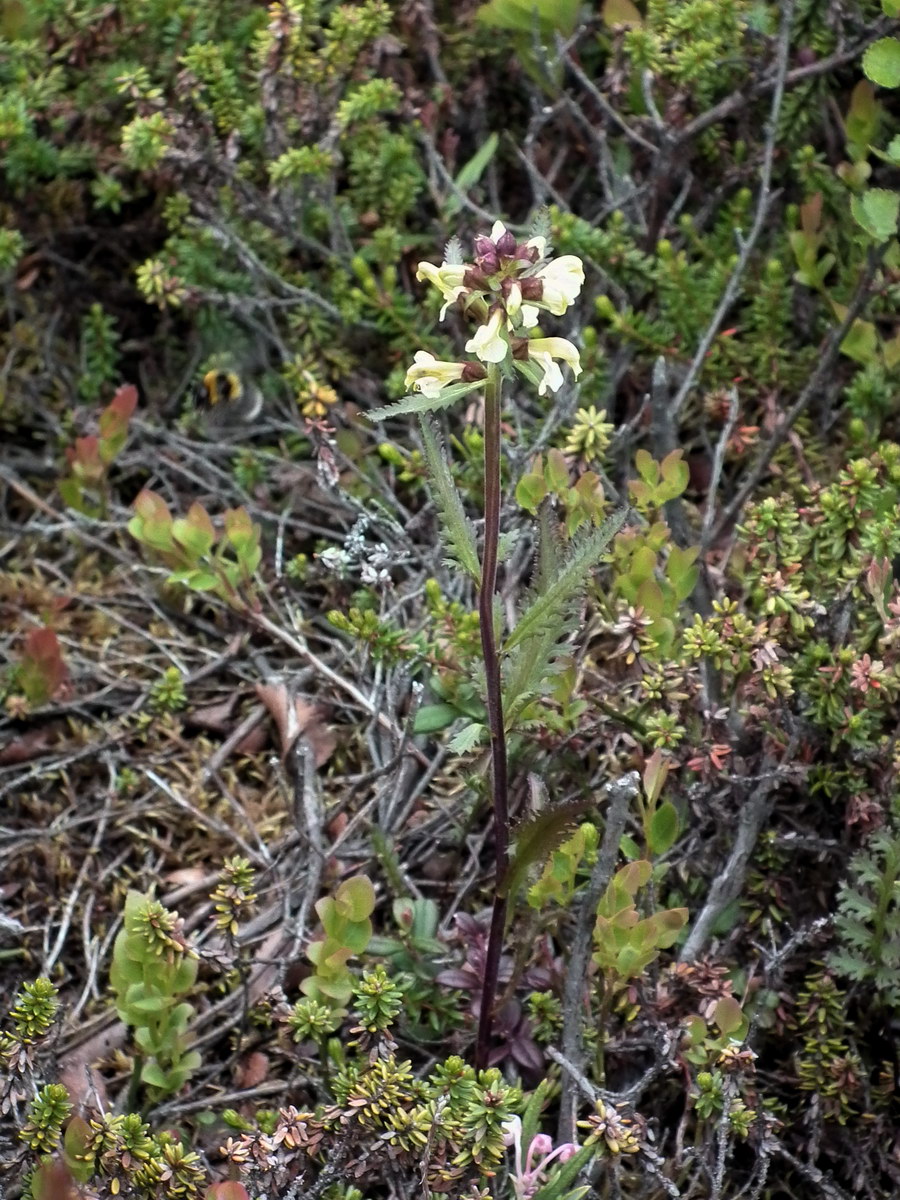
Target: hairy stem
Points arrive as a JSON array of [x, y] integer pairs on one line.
[[499, 774]]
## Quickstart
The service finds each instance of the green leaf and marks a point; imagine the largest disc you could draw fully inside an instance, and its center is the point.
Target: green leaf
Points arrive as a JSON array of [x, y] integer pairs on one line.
[[467, 738], [199, 580], [557, 472], [861, 342], [194, 532], [522, 15], [630, 962], [530, 491], [727, 1014], [148, 1005], [621, 12], [549, 604], [647, 467], [629, 847], [681, 571], [532, 1114], [154, 1076], [457, 526], [431, 718], [892, 153], [565, 1175], [471, 172], [355, 898], [876, 210], [651, 598], [663, 828], [881, 62], [532, 662], [418, 403], [537, 838]]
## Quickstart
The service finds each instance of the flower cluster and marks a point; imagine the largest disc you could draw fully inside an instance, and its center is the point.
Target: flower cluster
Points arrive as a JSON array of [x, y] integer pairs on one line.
[[531, 1173], [620, 1134], [505, 289]]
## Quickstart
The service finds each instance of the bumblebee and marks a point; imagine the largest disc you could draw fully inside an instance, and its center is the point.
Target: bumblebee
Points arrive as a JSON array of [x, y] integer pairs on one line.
[[228, 398]]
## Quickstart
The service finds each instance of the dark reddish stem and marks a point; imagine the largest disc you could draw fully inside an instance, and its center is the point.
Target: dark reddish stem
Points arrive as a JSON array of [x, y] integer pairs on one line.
[[494, 698]]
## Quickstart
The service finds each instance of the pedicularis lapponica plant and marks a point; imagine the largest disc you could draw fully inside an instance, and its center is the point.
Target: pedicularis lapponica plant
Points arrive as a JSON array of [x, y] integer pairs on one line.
[[505, 291]]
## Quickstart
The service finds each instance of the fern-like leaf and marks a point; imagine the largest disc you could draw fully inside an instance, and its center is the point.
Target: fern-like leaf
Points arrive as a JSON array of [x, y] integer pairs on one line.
[[458, 529], [537, 838], [532, 660], [418, 402], [550, 604]]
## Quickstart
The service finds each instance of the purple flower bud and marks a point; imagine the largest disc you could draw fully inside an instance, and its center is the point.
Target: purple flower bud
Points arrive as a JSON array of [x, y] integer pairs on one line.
[[532, 287], [506, 244], [486, 254], [472, 372]]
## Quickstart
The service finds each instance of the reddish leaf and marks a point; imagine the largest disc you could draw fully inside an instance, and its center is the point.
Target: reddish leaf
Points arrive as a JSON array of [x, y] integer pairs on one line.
[[53, 1181], [42, 671], [230, 1190], [294, 717], [32, 744], [216, 718], [252, 1070]]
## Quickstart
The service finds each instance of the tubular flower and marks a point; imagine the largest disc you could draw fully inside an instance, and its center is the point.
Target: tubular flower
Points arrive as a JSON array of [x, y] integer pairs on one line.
[[448, 279], [489, 342], [530, 1174], [428, 374], [562, 279], [543, 351]]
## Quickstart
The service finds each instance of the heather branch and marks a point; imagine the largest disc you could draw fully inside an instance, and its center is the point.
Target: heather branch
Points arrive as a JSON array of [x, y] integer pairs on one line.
[[764, 199], [727, 885], [823, 368]]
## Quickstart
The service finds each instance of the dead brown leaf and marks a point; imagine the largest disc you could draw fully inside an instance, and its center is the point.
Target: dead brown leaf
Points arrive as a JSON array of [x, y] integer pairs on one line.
[[215, 718], [252, 1070], [294, 717]]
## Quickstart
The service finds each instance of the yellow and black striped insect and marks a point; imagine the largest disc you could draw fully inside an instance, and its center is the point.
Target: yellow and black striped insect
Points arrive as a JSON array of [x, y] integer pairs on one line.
[[229, 398]]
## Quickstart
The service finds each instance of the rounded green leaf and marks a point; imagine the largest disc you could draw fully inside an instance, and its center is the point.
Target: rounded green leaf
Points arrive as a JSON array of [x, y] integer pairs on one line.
[[881, 62], [153, 1074], [727, 1014], [433, 717], [356, 898], [663, 828]]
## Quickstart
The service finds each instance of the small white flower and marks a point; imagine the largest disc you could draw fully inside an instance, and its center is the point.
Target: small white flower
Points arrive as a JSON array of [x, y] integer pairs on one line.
[[519, 316], [553, 376], [335, 559], [562, 279], [543, 351], [498, 229], [539, 244], [447, 278], [488, 342], [428, 374]]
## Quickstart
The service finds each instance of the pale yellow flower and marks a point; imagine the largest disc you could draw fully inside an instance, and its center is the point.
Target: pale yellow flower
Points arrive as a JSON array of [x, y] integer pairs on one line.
[[562, 279], [447, 278], [544, 351], [428, 374], [488, 342]]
